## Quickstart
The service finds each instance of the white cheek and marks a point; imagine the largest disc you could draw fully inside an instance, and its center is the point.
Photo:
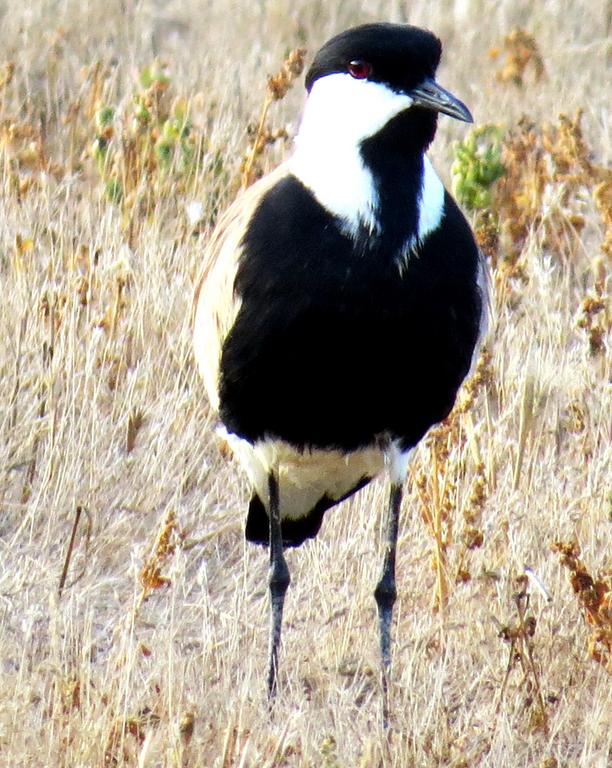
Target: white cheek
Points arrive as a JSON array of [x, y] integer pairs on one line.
[[341, 107], [340, 113]]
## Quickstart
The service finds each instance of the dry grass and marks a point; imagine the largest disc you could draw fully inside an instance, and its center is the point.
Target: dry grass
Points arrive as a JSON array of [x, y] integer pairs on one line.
[[135, 633]]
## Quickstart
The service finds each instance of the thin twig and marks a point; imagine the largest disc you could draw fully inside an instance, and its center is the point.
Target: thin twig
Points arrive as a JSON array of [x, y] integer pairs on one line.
[[246, 174], [17, 375], [506, 677], [75, 525]]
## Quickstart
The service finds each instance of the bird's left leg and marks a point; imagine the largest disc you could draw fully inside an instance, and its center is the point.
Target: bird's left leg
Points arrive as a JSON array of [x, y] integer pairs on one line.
[[386, 592], [278, 581]]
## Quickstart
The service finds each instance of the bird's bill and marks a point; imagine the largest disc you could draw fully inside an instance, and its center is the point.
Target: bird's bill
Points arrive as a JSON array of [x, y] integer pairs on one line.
[[430, 95]]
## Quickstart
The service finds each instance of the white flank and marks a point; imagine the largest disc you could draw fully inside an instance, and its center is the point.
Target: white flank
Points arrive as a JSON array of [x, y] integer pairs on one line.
[[430, 211], [340, 113], [398, 461], [431, 201], [483, 281]]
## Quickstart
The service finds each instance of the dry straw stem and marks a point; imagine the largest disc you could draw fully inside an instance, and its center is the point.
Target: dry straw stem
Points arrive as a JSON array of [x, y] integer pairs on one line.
[[77, 519], [278, 86], [437, 485], [520, 638], [104, 283]]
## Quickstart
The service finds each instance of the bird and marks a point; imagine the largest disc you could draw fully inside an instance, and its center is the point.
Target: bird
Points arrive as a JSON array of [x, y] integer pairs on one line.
[[341, 302]]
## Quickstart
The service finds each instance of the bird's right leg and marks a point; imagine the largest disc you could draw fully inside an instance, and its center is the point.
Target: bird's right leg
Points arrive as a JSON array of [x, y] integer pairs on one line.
[[386, 594], [278, 581]]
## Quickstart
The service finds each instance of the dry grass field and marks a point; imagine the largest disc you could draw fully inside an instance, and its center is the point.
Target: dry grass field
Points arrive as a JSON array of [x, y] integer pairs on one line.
[[133, 616]]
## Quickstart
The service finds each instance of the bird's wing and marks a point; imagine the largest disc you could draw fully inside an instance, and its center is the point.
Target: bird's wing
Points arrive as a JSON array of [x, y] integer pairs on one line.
[[215, 302]]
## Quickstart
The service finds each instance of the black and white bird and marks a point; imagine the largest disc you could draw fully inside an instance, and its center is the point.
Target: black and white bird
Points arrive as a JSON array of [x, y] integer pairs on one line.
[[341, 301]]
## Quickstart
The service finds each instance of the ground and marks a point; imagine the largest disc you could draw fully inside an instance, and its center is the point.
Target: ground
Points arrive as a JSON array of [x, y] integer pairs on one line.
[[124, 128]]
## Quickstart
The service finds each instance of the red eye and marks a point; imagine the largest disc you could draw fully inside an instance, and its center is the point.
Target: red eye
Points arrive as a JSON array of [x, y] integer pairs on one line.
[[359, 69]]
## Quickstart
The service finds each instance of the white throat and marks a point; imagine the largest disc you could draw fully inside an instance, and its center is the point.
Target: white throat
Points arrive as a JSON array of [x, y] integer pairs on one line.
[[340, 113]]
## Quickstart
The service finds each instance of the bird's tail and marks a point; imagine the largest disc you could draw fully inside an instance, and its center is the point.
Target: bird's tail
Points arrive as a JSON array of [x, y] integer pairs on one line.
[[295, 531]]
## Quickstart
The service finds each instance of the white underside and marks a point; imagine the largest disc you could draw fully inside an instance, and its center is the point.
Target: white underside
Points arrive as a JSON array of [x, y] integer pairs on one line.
[[306, 476]]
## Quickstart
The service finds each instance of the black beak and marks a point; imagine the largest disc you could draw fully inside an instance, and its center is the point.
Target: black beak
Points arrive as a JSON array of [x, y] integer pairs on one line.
[[430, 95]]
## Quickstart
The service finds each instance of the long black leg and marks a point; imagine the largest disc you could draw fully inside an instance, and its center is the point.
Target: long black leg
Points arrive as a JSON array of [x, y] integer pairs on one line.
[[278, 581], [386, 594]]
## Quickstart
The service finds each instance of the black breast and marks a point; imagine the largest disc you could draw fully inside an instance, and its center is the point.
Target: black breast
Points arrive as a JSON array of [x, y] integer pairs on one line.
[[333, 346]]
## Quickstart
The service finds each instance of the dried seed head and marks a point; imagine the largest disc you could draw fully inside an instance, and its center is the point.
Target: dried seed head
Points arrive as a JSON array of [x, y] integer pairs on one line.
[[6, 75], [151, 574], [595, 597], [520, 51], [281, 82], [186, 726]]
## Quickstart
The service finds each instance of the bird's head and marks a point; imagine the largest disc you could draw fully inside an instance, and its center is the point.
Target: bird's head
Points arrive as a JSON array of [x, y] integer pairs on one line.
[[371, 113], [367, 75]]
